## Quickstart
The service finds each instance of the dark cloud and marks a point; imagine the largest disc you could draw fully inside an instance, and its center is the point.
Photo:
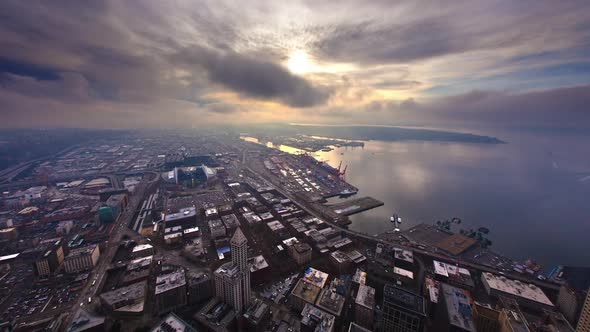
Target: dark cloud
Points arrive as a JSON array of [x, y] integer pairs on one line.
[[562, 107], [255, 78]]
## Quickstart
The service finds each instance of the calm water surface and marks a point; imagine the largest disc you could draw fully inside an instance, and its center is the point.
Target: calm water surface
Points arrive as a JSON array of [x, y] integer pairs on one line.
[[532, 193]]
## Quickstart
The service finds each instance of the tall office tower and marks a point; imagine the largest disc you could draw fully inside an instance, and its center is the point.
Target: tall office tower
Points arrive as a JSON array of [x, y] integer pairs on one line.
[[403, 311], [584, 321], [232, 279]]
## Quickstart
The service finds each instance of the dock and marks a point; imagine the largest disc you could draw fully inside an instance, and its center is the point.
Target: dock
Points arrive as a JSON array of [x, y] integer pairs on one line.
[[356, 205]]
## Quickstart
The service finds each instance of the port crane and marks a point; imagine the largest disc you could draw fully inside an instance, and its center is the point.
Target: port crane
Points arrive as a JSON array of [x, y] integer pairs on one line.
[[342, 173]]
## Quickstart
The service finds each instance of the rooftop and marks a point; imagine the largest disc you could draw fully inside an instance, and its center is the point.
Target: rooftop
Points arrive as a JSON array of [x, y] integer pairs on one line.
[[82, 251], [404, 255], [84, 321], [125, 294], [141, 247], [316, 319], [456, 244], [257, 263], [228, 269], [516, 288], [458, 307], [275, 225], [403, 298], [306, 291], [340, 257], [290, 241], [256, 311], [170, 281], [366, 297], [172, 323], [315, 277], [330, 301], [183, 213]]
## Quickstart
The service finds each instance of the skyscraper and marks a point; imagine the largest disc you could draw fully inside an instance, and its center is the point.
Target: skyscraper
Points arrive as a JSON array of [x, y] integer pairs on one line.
[[232, 279]]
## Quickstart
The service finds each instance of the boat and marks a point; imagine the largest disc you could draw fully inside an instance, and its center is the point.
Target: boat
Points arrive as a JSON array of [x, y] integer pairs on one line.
[[326, 149]]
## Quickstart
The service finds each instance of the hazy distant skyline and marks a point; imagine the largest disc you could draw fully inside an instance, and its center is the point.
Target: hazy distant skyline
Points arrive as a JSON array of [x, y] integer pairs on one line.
[[129, 64]]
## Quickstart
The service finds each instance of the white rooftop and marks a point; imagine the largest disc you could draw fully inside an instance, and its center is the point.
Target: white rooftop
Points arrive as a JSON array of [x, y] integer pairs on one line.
[[141, 247], [516, 288]]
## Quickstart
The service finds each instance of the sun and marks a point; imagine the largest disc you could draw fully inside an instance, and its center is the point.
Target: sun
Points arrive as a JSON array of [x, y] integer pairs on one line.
[[299, 62]]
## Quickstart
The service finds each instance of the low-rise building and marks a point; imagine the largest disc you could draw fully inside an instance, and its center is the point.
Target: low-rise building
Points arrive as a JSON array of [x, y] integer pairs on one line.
[[316, 320], [172, 323], [82, 259], [527, 295], [257, 316], [129, 300], [456, 314], [303, 293], [170, 292], [142, 250], [200, 287], [217, 228]]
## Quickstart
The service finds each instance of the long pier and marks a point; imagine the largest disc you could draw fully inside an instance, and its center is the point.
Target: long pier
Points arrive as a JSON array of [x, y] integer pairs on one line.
[[356, 205]]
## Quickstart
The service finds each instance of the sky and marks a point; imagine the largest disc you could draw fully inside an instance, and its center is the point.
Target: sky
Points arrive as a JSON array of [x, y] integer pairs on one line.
[[160, 64]]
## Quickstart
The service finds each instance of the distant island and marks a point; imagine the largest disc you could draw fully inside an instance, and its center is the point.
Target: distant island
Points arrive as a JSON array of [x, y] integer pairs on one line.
[[381, 133]]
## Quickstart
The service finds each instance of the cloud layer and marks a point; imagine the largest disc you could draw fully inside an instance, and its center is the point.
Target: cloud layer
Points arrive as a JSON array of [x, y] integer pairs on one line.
[[184, 63]]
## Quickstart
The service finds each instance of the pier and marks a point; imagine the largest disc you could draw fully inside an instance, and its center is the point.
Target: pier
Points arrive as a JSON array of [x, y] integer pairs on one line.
[[356, 205]]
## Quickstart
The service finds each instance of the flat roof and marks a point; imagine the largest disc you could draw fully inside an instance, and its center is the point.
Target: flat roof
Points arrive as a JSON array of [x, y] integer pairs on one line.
[[404, 273], [183, 213], [82, 251], [318, 320], [124, 294], [191, 230], [516, 288], [257, 263], [458, 304], [340, 257], [275, 225], [8, 257], [170, 281], [456, 244], [306, 291], [172, 323], [404, 255], [141, 247], [404, 298], [330, 301], [290, 241], [365, 296], [315, 277]]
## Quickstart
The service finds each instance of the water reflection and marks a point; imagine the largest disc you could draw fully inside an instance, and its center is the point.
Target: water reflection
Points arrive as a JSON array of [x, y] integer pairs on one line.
[[530, 193]]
